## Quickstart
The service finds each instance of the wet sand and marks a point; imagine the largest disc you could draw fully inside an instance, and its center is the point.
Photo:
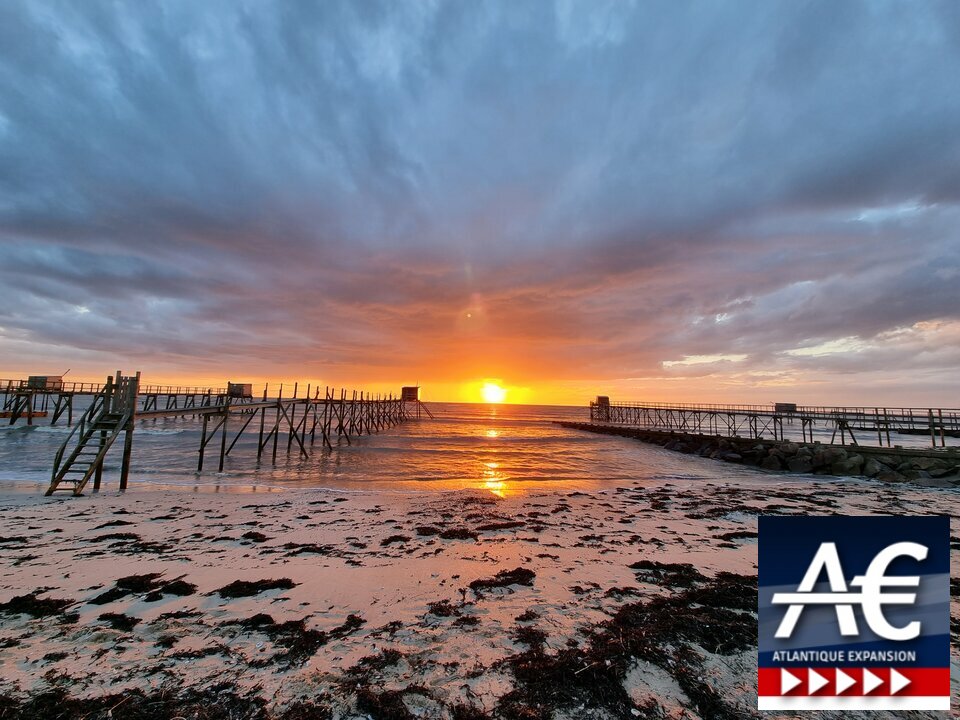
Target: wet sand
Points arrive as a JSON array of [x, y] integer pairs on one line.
[[633, 602]]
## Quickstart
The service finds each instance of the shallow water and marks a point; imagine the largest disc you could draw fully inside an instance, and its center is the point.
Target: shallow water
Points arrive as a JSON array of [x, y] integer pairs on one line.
[[501, 448]]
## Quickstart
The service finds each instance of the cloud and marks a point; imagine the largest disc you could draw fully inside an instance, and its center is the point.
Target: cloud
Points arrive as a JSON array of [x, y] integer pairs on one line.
[[605, 188]]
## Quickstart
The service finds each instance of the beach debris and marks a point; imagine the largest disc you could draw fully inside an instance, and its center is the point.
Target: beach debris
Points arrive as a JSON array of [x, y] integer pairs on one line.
[[667, 574], [459, 533], [246, 588], [34, 606], [505, 525], [119, 621], [505, 578], [254, 536]]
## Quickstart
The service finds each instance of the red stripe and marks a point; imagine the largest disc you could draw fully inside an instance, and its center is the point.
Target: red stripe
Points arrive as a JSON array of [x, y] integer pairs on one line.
[[927, 682]]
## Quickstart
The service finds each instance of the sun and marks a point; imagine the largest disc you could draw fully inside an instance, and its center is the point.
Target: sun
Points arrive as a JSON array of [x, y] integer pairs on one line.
[[493, 393]]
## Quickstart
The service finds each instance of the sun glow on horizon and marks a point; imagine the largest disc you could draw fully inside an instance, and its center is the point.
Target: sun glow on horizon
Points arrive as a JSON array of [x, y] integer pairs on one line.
[[491, 392]]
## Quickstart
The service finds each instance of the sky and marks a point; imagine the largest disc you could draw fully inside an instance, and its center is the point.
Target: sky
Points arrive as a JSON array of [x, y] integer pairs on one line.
[[713, 202]]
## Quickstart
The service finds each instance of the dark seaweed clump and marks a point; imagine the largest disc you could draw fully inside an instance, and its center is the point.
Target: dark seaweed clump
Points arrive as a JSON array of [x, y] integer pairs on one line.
[[718, 617], [149, 583], [388, 704], [179, 588], [505, 578], [299, 642], [670, 574], [221, 702], [244, 588], [132, 584], [459, 533], [34, 606], [119, 621]]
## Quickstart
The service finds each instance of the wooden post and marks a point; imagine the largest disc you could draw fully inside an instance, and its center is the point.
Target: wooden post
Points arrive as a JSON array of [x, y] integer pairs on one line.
[[134, 391], [276, 427], [263, 419], [223, 435], [98, 473], [292, 417], [203, 442]]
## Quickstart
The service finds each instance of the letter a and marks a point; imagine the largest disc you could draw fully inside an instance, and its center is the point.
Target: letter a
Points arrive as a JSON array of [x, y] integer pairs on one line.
[[828, 559]]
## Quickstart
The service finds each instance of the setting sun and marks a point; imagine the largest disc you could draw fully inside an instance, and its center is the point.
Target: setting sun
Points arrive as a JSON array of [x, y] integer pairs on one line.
[[493, 393]]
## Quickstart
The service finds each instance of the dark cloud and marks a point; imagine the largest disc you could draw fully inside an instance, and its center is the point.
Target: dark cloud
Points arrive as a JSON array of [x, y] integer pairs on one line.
[[577, 191]]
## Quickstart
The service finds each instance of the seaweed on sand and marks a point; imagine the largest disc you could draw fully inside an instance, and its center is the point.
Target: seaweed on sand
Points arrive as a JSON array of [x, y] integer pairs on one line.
[[664, 631], [388, 704], [149, 583], [34, 606], [244, 588], [669, 574], [119, 621], [221, 702], [505, 578]]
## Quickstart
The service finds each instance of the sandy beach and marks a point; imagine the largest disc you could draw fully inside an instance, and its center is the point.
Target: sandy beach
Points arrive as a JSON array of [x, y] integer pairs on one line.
[[634, 602]]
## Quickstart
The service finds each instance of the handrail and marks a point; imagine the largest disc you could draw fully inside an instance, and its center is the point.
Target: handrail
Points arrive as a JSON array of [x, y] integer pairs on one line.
[[801, 409], [93, 388], [88, 415]]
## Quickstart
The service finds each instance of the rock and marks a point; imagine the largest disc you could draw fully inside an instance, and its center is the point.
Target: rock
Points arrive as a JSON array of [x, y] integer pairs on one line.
[[848, 466], [732, 457], [800, 464], [943, 472], [833, 455], [771, 462], [890, 476], [927, 463], [789, 448], [804, 451], [872, 468]]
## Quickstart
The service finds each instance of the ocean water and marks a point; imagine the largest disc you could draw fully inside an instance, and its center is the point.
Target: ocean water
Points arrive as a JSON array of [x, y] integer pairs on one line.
[[501, 448]]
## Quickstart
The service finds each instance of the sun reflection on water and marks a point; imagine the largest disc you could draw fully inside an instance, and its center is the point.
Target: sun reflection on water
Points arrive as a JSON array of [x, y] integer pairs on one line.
[[497, 487]]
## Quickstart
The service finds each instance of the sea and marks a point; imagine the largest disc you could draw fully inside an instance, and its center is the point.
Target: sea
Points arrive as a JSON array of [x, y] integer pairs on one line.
[[503, 449]]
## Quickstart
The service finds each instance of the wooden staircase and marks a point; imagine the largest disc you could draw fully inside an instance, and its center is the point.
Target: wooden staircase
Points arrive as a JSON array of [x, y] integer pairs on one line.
[[82, 454]]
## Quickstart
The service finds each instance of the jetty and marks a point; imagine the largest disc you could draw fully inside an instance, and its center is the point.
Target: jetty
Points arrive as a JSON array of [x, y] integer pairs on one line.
[[793, 438], [113, 408], [778, 420]]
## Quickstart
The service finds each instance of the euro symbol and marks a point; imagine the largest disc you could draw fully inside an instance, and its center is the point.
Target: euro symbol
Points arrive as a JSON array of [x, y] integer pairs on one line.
[[871, 598]]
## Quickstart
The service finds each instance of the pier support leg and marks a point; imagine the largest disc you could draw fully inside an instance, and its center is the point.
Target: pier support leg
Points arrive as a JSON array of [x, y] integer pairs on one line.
[[127, 450], [98, 474]]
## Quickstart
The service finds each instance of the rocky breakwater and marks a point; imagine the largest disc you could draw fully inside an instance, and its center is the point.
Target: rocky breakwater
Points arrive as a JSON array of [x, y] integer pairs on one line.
[[933, 468]]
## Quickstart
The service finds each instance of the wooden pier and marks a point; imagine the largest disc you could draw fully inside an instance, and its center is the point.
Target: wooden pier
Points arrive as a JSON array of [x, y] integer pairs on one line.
[[768, 421], [293, 422], [28, 400]]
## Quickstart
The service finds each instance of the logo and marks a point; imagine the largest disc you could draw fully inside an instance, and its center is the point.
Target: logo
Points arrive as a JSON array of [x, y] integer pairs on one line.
[[854, 613]]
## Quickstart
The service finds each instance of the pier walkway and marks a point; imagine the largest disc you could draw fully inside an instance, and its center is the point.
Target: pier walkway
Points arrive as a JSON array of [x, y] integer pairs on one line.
[[854, 425]]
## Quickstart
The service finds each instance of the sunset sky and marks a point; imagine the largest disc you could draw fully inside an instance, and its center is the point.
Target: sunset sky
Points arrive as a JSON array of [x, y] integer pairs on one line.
[[745, 201]]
